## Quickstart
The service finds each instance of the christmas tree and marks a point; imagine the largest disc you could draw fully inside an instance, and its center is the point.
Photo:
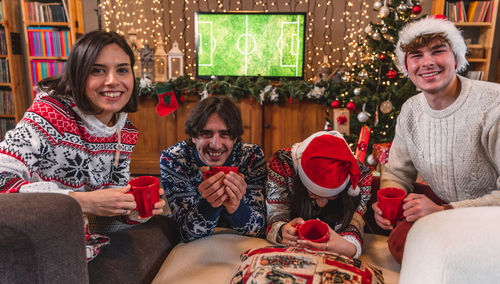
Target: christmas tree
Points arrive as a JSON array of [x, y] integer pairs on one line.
[[374, 88]]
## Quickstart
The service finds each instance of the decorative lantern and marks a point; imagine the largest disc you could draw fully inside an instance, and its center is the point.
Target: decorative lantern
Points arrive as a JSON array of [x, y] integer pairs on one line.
[[132, 37], [147, 62], [175, 62], [161, 61]]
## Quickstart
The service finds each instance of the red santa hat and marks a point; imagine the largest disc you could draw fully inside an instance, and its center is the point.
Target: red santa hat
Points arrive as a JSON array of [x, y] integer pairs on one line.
[[325, 164], [427, 26]]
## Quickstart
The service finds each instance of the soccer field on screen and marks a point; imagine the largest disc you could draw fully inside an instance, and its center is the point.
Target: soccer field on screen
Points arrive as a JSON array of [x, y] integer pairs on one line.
[[250, 44]]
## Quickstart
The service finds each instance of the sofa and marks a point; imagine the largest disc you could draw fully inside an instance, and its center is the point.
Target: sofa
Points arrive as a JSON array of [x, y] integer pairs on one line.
[[42, 241]]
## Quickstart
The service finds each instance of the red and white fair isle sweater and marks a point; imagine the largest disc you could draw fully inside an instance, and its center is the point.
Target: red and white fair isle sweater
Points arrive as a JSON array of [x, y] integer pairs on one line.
[[56, 148], [280, 176]]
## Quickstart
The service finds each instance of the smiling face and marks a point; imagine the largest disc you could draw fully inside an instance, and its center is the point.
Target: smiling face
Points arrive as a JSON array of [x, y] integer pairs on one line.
[[214, 142], [110, 82], [432, 68]]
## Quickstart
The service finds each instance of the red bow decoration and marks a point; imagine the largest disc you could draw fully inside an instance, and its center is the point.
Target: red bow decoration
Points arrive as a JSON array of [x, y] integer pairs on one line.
[[341, 119]]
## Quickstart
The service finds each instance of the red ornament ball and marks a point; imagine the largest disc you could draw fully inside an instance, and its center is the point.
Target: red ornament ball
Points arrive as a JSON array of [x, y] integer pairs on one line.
[[416, 9], [351, 106], [335, 104], [181, 99], [186, 92], [391, 74], [382, 57]]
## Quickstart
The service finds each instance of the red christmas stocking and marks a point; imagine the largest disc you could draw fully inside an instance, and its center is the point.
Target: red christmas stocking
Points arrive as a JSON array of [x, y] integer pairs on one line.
[[167, 102]]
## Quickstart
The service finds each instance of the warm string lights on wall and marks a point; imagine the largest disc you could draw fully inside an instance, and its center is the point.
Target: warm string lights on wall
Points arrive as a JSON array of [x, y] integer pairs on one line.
[[174, 21]]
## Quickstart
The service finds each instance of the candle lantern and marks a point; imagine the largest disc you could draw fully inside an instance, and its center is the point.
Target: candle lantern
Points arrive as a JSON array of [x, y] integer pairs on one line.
[[175, 62], [161, 61], [147, 62]]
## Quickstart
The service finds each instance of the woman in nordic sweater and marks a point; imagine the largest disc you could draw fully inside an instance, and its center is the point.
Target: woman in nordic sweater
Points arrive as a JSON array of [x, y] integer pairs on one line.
[[76, 139], [318, 178]]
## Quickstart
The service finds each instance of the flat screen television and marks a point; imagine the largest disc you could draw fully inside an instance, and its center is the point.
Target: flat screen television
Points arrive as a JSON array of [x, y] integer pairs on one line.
[[250, 44]]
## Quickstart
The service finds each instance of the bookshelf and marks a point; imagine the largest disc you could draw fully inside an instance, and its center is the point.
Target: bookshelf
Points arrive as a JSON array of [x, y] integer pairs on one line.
[[478, 22], [13, 93], [50, 29]]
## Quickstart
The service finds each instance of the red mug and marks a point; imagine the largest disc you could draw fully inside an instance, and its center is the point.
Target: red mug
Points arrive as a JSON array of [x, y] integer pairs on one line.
[[314, 230], [146, 191], [390, 201], [214, 170]]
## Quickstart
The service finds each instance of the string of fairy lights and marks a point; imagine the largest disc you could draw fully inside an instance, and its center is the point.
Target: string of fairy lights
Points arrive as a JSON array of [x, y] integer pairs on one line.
[[170, 21]]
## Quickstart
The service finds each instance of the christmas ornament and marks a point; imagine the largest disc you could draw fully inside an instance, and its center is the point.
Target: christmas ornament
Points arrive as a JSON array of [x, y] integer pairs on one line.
[[351, 106], [377, 5], [324, 70], [384, 29], [416, 9], [370, 160], [335, 103], [344, 78], [368, 29], [386, 107], [376, 36], [382, 57], [362, 74], [363, 116], [402, 8], [357, 91], [391, 74], [384, 12]]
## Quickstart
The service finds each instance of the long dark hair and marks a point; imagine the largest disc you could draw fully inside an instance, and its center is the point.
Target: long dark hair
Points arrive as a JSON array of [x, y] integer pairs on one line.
[[71, 83], [337, 211]]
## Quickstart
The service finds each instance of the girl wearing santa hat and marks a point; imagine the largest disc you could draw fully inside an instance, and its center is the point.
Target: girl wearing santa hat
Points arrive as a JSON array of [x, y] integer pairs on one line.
[[318, 178]]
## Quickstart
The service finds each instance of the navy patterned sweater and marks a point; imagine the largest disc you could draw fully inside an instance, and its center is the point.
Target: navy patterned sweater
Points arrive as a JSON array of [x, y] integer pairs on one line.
[[196, 218]]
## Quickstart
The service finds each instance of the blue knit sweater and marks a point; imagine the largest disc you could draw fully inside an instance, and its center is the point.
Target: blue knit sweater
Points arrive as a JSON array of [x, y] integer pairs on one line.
[[196, 218]]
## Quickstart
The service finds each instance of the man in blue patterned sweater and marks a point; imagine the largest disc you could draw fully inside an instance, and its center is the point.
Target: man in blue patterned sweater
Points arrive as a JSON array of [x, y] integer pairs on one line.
[[233, 200]]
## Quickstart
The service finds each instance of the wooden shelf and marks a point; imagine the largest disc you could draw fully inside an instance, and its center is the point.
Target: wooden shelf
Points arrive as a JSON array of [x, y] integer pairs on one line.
[[16, 63], [480, 35], [74, 27]]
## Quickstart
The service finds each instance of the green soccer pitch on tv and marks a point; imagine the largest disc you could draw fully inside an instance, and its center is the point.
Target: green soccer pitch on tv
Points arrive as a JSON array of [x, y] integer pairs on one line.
[[250, 44]]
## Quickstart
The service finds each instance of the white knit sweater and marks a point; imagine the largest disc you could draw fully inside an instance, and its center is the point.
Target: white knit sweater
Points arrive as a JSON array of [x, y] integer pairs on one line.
[[456, 150]]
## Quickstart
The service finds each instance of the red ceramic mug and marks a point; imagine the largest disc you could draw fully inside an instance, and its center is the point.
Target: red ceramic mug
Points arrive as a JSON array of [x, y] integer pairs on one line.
[[214, 170], [146, 191], [390, 201], [314, 230]]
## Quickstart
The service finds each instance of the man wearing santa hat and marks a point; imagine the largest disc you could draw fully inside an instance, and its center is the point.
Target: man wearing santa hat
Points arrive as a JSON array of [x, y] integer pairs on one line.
[[449, 133], [318, 178]]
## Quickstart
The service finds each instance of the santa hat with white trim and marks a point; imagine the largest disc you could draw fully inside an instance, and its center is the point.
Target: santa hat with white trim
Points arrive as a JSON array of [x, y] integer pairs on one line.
[[325, 164], [427, 26]]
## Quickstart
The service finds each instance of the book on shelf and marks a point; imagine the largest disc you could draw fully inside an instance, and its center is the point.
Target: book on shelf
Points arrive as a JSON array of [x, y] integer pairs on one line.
[[49, 41], [3, 41], [4, 71], [6, 103], [474, 74], [469, 11], [6, 124], [46, 12], [477, 11], [41, 69]]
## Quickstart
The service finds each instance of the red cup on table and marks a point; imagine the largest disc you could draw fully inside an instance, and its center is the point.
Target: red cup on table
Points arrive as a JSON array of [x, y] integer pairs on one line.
[[214, 170], [314, 230], [146, 191], [390, 201]]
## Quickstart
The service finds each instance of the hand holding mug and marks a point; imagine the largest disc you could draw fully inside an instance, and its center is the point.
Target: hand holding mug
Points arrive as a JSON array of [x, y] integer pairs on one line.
[[146, 191], [214, 170], [290, 233], [390, 201]]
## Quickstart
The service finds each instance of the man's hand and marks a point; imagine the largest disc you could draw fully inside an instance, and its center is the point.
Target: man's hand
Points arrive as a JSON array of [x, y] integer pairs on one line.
[[416, 206], [106, 202], [212, 189], [379, 219], [235, 188]]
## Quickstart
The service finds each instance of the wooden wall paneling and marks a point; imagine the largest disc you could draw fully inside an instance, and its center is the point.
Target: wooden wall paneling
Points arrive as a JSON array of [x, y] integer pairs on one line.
[[291, 123], [155, 134], [251, 114]]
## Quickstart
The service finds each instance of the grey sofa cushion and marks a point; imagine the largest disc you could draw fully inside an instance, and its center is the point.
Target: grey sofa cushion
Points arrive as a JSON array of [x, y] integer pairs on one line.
[[41, 239]]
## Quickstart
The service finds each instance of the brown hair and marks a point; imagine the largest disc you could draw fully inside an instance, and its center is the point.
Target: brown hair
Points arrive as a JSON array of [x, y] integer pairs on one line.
[[71, 83], [424, 40], [223, 107]]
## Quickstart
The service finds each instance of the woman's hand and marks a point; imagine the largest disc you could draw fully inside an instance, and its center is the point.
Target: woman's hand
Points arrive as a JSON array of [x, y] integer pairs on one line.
[[379, 219], [157, 207], [335, 244], [106, 202], [289, 232]]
